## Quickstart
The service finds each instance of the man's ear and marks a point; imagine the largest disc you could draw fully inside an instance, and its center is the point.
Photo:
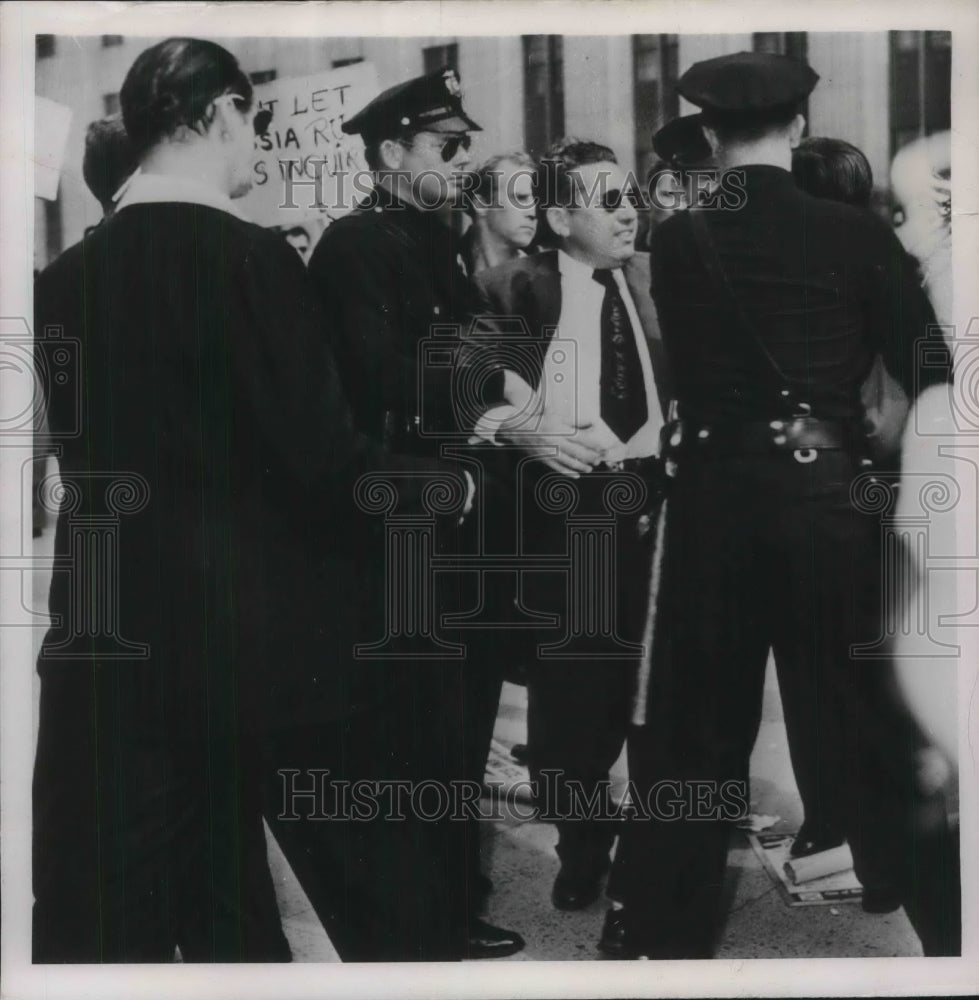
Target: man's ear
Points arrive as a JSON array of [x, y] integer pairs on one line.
[[392, 154], [223, 123], [557, 219], [796, 127]]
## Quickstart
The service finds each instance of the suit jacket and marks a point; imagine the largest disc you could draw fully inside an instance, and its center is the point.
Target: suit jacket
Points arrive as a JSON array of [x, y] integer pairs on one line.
[[522, 299]]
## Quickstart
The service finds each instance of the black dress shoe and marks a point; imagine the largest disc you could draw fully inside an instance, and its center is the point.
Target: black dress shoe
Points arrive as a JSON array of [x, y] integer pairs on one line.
[[576, 890], [806, 844], [616, 943], [487, 941], [613, 940], [881, 899]]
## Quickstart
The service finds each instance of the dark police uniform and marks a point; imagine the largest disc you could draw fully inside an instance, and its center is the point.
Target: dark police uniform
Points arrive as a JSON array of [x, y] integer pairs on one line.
[[768, 544], [387, 274]]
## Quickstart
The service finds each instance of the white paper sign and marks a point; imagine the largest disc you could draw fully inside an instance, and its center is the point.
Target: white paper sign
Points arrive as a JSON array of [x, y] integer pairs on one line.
[[304, 143], [51, 124]]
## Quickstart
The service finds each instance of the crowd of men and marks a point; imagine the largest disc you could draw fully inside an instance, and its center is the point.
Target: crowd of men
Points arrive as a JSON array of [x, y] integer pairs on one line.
[[694, 414]]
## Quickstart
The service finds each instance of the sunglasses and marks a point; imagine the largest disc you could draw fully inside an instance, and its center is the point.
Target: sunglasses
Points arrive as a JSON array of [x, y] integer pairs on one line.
[[451, 145], [262, 118]]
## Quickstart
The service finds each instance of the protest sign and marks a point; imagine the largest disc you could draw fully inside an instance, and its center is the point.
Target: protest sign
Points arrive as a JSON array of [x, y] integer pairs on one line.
[[306, 170]]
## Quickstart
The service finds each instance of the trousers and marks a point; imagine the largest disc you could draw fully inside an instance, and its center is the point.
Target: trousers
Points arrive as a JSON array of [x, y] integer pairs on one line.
[[761, 552], [581, 682], [382, 843]]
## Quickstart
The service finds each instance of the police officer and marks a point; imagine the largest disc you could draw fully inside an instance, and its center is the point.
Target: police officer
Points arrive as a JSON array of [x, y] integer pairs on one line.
[[772, 314], [682, 174], [388, 274], [681, 143]]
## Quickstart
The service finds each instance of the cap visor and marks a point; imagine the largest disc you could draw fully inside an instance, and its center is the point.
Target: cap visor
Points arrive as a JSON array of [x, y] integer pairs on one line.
[[459, 121]]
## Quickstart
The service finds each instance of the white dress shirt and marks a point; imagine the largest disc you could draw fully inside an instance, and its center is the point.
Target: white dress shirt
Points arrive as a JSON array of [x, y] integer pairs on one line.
[[570, 384]]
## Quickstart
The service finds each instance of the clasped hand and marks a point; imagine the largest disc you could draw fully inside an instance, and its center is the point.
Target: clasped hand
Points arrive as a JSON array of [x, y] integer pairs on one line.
[[564, 447]]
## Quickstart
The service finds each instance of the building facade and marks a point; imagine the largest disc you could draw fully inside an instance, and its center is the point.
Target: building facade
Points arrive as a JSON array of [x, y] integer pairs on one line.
[[878, 90]]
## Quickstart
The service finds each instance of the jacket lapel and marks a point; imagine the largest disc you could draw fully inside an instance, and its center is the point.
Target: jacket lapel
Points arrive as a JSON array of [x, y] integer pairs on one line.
[[547, 292], [536, 296]]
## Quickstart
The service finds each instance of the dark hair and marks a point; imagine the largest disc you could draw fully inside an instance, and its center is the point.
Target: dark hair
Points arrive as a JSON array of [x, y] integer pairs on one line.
[[109, 158], [488, 174], [554, 187], [172, 84], [746, 126], [832, 168]]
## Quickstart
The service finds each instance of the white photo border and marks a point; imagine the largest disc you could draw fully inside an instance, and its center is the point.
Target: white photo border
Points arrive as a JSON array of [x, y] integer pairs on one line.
[[768, 977]]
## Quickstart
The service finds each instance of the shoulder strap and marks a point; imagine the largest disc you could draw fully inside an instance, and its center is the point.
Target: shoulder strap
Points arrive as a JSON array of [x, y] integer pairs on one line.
[[717, 274]]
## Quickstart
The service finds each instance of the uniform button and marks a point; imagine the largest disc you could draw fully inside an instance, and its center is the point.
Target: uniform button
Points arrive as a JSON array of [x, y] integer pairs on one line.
[[436, 311], [780, 439], [377, 208], [703, 433], [405, 121], [675, 440], [784, 392], [777, 425]]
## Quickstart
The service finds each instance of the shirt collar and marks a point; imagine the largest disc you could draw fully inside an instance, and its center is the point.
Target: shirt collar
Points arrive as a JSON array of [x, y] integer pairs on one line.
[[147, 189], [576, 270]]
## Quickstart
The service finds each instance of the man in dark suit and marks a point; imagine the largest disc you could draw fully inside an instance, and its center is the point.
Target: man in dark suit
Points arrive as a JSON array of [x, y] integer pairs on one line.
[[579, 388], [388, 275], [773, 308]]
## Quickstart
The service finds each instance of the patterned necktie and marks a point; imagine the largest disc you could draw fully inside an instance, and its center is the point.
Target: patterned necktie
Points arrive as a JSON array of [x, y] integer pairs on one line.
[[623, 392]]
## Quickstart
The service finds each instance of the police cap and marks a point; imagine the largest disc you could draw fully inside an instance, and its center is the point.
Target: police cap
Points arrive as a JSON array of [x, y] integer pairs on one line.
[[747, 82], [411, 107], [681, 142]]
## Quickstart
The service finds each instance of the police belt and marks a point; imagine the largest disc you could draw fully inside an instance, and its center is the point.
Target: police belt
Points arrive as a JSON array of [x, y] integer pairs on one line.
[[649, 468], [801, 437]]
